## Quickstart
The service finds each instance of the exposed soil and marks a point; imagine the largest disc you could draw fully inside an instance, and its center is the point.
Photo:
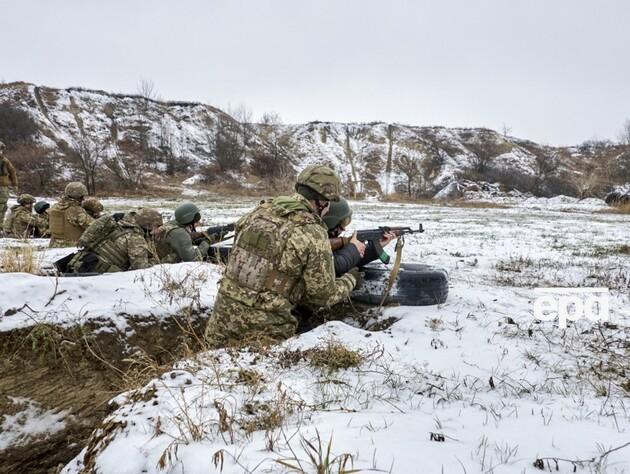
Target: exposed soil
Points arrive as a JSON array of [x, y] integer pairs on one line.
[[79, 370]]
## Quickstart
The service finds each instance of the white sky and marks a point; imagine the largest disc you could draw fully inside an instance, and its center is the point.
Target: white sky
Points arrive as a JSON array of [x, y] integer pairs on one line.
[[554, 71]]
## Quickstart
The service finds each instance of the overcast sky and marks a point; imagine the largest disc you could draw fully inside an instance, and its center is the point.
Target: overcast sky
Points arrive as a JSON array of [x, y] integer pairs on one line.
[[554, 71]]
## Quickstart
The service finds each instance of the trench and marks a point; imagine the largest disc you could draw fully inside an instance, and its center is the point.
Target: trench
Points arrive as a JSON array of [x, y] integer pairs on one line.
[[74, 372]]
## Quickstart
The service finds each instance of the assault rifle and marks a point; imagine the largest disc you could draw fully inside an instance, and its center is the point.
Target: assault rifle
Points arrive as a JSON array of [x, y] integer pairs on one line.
[[212, 234], [374, 234]]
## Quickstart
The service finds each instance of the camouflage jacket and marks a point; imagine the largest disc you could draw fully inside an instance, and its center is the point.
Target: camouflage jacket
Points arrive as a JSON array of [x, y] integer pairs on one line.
[[127, 248], [67, 221], [174, 244], [7, 173], [21, 223], [281, 257]]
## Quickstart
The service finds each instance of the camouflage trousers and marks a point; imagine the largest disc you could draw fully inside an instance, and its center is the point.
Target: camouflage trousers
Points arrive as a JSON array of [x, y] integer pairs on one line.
[[233, 323], [4, 197]]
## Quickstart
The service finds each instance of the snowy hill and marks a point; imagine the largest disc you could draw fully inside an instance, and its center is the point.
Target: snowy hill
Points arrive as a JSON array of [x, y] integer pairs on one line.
[[373, 159]]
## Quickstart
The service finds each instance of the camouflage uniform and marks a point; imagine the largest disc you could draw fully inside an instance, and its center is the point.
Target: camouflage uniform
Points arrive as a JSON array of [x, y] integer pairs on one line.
[[92, 206], [174, 244], [68, 220], [21, 223], [43, 229], [126, 247], [7, 176], [281, 258]]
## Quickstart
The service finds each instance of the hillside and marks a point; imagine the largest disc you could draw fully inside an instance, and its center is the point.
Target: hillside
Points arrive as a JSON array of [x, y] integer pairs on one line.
[[124, 138]]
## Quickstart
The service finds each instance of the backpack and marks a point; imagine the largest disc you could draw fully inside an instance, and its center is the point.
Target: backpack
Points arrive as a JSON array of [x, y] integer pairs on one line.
[[103, 228]]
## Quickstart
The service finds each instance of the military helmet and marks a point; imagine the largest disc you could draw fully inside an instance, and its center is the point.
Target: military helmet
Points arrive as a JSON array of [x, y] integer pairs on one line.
[[187, 214], [339, 213], [321, 179], [75, 190], [148, 218], [25, 199], [2, 146], [93, 206], [41, 206]]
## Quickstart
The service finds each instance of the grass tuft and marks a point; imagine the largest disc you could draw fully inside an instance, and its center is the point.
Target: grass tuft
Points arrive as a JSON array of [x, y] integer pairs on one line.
[[334, 356]]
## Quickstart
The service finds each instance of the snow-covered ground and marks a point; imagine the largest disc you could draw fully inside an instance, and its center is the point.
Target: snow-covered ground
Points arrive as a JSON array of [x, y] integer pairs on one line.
[[473, 385]]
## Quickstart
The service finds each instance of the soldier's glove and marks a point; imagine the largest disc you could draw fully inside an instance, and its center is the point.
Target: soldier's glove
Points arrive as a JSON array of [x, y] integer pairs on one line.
[[118, 216], [358, 277]]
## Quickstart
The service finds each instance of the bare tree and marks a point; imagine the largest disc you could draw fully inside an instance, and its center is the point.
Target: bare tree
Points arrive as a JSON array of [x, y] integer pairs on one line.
[[89, 156], [271, 156], [546, 166], [356, 149], [409, 164], [484, 151], [225, 145], [146, 88], [624, 135], [243, 115]]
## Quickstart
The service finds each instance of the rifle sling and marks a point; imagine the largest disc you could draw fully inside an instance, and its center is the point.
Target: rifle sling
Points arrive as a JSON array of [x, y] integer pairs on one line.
[[395, 269]]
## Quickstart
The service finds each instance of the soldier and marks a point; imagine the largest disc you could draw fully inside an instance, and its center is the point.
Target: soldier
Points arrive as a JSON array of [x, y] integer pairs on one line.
[[114, 246], [281, 258], [21, 223], [353, 252], [67, 218], [7, 176], [173, 240], [92, 206], [41, 209]]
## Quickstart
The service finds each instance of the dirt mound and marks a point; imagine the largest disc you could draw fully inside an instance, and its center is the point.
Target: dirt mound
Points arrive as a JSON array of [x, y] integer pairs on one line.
[[69, 375]]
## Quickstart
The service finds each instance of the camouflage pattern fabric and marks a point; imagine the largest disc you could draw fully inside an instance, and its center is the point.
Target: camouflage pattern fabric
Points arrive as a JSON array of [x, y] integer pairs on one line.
[[174, 244], [22, 223], [43, 225], [76, 220], [258, 299], [4, 197], [125, 249], [8, 176]]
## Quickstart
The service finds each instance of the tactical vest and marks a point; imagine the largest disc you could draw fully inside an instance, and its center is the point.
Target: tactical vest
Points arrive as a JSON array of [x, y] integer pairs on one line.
[[8, 221], [165, 252], [256, 256], [60, 228]]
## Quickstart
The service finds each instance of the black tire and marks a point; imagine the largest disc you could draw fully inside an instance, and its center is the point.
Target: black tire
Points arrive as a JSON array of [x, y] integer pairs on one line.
[[415, 285]]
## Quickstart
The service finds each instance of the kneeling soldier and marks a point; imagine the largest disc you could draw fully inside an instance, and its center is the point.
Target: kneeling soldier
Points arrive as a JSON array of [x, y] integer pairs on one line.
[[174, 241], [281, 258], [21, 223], [67, 218], [114, 246]]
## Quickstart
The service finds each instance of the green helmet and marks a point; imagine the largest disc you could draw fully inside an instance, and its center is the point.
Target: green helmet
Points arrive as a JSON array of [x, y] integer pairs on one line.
[[2, 146], [41, 206], [148, 218], [187, 214], [75, 190], [92, 206], [338, 213], [25, 199], [321, 179]]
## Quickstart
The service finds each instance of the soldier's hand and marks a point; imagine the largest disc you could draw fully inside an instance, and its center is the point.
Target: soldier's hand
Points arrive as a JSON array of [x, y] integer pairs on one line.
[[358, 244], [358, 277], [387, 238]]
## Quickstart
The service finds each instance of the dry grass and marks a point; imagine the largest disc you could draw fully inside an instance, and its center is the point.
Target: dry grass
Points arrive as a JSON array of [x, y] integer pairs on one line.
[[461, 203], [623, 209], [334, 356], [21, 259]]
